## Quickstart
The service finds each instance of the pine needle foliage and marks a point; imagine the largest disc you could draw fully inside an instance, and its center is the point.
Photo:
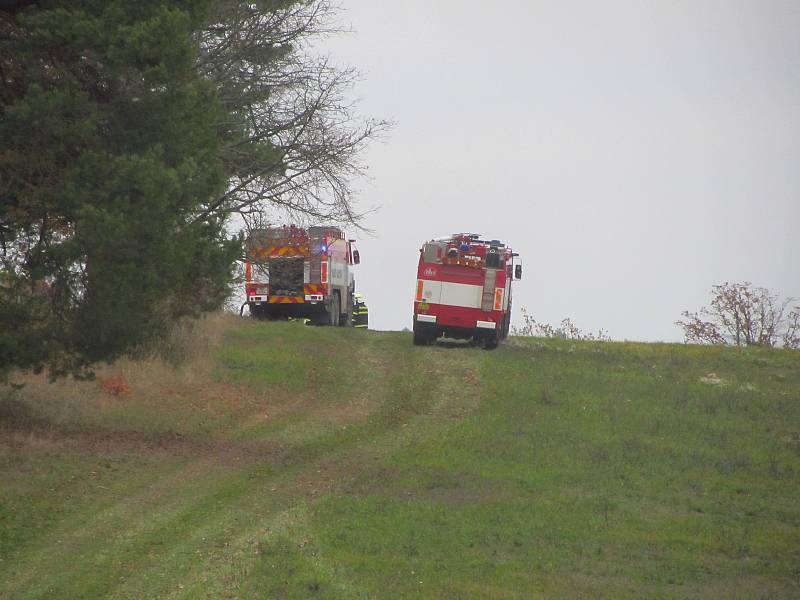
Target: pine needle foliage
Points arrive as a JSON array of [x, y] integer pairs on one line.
[[108, 146]]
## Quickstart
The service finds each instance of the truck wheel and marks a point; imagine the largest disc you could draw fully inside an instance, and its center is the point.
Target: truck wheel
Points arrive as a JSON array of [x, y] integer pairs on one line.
[[422, 337], [490, 342]]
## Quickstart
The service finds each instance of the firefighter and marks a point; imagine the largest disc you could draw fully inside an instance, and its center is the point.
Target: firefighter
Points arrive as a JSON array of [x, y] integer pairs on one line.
[[360, 314]]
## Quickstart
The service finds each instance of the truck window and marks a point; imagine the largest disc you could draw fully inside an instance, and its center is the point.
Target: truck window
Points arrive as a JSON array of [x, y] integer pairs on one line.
[[432, 253], [493, 258]]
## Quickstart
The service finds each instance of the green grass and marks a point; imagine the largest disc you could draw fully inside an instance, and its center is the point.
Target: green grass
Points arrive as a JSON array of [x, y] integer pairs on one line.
[[312, 462]]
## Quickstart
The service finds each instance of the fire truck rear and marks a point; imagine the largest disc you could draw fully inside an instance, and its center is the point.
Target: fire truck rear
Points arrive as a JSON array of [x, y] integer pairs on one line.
[[464, 290], [304, 273]]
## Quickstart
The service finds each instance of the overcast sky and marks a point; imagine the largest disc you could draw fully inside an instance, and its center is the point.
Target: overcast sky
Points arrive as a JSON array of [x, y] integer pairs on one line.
[[634, 153]]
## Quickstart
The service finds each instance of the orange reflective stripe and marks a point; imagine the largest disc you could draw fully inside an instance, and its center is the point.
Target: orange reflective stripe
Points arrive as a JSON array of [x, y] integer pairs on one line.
[[498, 298], [324, 272], [279, 251], [420, 285]]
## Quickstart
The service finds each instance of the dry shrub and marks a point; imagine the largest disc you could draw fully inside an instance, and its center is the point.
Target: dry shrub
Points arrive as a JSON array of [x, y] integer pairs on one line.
[[566, 330], [183, 360], [189, 340]]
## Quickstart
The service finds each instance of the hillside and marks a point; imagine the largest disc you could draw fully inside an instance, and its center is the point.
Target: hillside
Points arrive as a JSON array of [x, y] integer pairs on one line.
[[288, 461]]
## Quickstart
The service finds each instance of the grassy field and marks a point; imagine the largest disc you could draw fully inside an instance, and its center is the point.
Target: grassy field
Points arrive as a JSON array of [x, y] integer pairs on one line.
[[288, 461]]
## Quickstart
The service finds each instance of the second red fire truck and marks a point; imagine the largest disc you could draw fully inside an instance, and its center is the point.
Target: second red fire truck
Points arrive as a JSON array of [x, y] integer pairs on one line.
[[464, 290]]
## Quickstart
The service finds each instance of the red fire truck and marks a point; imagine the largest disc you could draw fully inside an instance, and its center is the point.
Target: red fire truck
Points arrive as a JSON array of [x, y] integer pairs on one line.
[[464, 289], [304, 273]]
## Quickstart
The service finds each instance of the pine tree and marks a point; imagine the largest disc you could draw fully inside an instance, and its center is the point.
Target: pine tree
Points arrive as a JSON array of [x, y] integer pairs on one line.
[[129, 133], [109, 146]]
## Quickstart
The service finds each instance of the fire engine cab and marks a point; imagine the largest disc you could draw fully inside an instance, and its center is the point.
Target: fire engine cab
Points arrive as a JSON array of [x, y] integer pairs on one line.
[[464, 290]]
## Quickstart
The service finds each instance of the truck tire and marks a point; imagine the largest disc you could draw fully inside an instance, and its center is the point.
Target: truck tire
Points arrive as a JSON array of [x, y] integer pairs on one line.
[[490, 342], [422, 337]]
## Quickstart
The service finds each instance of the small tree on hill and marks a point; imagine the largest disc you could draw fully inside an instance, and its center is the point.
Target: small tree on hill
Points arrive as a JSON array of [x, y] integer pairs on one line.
[[742, 314]]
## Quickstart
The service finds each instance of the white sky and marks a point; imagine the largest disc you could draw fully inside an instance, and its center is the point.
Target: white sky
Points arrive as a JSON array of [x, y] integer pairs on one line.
[[633, 152]]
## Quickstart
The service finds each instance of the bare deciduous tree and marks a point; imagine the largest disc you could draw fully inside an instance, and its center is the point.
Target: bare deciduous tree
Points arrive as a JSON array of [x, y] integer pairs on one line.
[[293, 140], [742, 314]]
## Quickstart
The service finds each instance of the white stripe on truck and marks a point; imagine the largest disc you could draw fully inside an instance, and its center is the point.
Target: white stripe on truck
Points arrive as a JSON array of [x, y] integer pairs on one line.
[[452, 294]]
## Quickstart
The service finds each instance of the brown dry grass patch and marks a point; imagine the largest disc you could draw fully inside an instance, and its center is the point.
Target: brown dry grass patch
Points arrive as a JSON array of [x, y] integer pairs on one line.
[[70, 414]]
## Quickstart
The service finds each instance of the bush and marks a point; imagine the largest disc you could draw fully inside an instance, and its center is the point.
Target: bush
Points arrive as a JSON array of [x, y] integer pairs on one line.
[[566, 330], [742, 314]]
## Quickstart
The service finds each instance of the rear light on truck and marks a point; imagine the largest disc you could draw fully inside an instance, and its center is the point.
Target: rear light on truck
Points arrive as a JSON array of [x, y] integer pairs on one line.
[[420, 285], [498, 298]]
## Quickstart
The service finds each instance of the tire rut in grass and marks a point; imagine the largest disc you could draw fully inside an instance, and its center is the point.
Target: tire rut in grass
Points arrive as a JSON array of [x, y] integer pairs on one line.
[[303, 484], [452, 392]]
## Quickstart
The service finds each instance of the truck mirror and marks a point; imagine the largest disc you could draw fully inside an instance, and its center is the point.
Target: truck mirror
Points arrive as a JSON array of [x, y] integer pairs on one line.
[[356, 257], [518, 272]]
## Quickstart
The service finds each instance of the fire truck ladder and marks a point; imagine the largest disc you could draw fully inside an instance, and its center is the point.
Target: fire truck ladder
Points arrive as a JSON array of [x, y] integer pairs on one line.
[[487, 299]]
